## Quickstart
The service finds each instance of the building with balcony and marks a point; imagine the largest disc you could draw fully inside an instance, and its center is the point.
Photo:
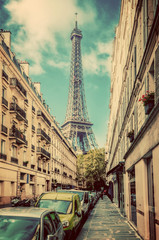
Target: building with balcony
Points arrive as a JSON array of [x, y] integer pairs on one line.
[[132, 145], [32, 144]]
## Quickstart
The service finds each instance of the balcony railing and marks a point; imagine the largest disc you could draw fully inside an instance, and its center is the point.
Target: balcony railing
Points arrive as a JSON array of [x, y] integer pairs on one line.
[[16, 83], [14, 160], [43, 135], [21, 115], [4, 129], [3, 156], [4, 75], [43, 152], [4, 102], [18, 135], [40, 113]]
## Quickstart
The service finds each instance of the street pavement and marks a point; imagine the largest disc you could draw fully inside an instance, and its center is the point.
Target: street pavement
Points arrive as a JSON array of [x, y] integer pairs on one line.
[[106, 223]]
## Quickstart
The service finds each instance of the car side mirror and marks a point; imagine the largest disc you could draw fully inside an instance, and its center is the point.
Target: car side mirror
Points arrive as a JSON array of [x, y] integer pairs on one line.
[[51, 237]]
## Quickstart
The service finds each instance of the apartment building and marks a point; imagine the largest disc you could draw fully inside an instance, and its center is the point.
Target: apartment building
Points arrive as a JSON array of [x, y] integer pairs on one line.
[[34, 155], [132, 146]]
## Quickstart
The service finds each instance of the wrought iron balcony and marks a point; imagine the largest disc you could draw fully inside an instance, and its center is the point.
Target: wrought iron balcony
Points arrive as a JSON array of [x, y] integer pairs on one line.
[[14, 160], [15, 83], [3, 156], [20, 113], [41, 151], [5, 76], [18, 135], [41, 114], [43, 135], [4, 102], [4, 129]]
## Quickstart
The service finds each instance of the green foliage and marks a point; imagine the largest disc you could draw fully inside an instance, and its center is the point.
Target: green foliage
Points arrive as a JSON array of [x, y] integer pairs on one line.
[[91, 167]]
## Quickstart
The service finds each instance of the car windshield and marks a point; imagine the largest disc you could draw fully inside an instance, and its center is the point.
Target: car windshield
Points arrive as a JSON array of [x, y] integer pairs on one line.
[[60, 206], [17, 228]]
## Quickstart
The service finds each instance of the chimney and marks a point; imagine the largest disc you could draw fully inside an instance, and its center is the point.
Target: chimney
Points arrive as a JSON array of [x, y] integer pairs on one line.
[[25, 66], [37, 86], [7, 37]]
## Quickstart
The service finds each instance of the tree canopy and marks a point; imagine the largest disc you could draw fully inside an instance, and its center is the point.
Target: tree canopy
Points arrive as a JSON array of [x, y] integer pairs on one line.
[[91, 168]]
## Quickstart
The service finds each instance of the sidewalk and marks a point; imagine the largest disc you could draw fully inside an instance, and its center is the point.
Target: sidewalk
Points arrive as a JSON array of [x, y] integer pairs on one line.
[[106, 223]]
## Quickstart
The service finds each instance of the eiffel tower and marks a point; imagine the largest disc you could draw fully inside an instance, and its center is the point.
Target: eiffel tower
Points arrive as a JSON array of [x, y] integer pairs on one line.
[[77, 128]]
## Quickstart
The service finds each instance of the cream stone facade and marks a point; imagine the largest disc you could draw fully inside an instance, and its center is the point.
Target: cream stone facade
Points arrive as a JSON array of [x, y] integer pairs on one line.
[[132, 161], [34, 155]]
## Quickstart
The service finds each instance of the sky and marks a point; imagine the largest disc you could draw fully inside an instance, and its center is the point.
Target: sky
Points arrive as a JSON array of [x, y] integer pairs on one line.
[[40, 34]]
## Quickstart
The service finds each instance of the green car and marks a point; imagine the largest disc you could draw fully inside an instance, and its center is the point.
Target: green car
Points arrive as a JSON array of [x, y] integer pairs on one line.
[[67, 205]]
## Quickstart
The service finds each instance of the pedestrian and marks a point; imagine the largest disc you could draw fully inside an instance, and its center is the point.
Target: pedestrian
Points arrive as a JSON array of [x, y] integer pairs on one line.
[[110, 191]]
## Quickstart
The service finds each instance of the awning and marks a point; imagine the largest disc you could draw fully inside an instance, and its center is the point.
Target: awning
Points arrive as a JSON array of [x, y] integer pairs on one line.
[[117, 168]]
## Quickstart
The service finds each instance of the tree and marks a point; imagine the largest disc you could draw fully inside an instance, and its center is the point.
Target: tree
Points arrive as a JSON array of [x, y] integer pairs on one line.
[[91, 167]]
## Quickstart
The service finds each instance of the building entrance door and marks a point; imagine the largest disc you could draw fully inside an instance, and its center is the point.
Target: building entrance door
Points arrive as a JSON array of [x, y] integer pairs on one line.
[[151, 199]]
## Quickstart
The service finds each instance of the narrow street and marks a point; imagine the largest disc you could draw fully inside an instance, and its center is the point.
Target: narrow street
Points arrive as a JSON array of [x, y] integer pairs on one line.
[[106, 223]]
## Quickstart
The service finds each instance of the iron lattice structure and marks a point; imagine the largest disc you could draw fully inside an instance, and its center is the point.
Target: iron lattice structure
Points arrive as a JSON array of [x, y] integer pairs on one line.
[[77, 128]]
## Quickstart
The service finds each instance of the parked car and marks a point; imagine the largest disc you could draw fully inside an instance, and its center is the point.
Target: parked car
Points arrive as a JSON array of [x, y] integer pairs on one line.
[[84, 198], [93, 199], [67, 205], [23, 223]]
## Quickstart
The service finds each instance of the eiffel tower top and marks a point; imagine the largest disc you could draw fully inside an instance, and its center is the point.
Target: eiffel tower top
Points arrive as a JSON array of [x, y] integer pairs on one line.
[[76, 32]]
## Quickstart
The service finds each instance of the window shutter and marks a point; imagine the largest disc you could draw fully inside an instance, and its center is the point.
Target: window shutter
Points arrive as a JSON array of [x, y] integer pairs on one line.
[[157, 75]]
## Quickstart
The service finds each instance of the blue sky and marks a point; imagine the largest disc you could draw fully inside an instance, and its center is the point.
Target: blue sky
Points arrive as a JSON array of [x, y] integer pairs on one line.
[[41, 35]]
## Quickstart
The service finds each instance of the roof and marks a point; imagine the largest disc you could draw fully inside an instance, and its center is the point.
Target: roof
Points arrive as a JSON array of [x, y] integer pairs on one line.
[[31, 212], [58, 196]]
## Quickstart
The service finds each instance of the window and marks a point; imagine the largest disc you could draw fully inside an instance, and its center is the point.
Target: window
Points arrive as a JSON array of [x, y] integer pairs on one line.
[[2, 146], [145, 17], [3, 118], [4, 92], [24, 156], [14, 151]]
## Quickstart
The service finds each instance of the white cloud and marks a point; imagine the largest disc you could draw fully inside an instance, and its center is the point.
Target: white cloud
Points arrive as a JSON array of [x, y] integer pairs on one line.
[[94, 64], [39, 22], [61, 64], [105, 47]]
